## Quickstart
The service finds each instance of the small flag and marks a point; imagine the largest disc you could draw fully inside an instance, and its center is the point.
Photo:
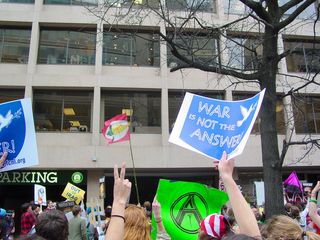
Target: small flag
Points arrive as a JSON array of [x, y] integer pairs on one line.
[[116, 129], [184, 205], [292, 184]]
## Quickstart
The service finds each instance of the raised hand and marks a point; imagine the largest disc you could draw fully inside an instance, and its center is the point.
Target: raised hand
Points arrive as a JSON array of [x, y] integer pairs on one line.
[[122, 186], [315, 190], [3, 158], [225, 166], [156, 209]]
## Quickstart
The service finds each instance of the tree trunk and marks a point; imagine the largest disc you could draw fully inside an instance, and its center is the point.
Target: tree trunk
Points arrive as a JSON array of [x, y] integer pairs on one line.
[[269, 141]]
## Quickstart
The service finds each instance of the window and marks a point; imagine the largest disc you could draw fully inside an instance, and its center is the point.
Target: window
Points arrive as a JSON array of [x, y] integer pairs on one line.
[[197, 47], [306, 111], [237, 7], [279, 112], [234, 7], [16, 1], [68, 111], [67, 47], [145, 105], [132, 3], [14, 45], [133, 49], [305, 56], [244, 53], [72, 2], [7, 95], [192, 5], [176, 98]]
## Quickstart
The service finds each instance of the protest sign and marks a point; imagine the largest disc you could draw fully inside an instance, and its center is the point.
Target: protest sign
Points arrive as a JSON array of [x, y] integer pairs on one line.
[[259, 187], [73, 193], [17, 135], [184, 205], [210, 126], [293, 190], [40, 195]]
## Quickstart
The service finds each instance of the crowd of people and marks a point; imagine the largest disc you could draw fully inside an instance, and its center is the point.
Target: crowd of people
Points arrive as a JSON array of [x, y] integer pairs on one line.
[[123, 221], [243, 223]]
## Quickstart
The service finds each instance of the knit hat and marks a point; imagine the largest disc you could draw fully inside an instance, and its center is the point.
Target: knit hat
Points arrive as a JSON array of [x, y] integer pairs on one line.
[[3, 212], [214, 225]]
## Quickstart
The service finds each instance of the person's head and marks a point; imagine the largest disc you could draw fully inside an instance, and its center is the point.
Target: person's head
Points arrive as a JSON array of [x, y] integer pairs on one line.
[[136, 226], [307, 191], [214, 226], [50, 204], [294, 212], [36, 209], [256, 213], [52, 225], [283, 227], [26, 207], [287, 207], [76, 209], [147, 205], [108, 211]]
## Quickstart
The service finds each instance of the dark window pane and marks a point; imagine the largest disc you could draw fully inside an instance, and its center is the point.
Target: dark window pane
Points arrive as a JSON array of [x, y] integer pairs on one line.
[[17, 1], [244, 53], [14, 45], [305, 56], [62, 110], [192, 5], [134, 49], [176, 99], [196, 47], [67, 47], [234, 7], [7, 95], [306, 114], [146, 109], [72, 2], [132, 3], [279, 113]]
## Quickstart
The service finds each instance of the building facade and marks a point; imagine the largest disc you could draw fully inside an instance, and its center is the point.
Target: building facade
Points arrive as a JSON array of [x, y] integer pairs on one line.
[[79, 72]]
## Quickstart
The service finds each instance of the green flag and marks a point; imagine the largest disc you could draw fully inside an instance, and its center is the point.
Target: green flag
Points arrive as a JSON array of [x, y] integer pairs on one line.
[[184, 205]]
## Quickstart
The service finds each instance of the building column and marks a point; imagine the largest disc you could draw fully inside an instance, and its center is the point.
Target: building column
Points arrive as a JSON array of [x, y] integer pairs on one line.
[[93, 177], [33, 50], [287, 103], [164, 88]]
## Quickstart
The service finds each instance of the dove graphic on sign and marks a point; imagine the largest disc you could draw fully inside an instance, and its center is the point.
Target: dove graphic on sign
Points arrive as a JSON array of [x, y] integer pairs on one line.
[[245, 113], [5, 121]]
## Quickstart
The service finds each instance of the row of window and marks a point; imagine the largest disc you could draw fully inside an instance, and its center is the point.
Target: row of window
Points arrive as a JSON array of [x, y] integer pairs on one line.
[[71, 111], [175, 5], [230, 6], [143, 49]]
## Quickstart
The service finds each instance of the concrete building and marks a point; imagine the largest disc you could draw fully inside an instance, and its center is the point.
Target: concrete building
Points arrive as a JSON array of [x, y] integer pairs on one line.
[[80, 72]]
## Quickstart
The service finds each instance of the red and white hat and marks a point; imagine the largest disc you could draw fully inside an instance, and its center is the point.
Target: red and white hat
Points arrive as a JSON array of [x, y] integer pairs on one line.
[[214, 225]]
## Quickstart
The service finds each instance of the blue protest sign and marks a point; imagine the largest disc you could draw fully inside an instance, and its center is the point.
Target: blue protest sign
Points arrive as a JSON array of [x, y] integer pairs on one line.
[[17, 135], [210, 126]]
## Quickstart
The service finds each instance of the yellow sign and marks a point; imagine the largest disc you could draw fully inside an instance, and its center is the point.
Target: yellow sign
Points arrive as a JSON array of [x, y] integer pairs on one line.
[[127, 111], [73, 193]]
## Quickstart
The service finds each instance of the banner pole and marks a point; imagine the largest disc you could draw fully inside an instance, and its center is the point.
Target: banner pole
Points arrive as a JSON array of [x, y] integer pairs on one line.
[[131, 154]]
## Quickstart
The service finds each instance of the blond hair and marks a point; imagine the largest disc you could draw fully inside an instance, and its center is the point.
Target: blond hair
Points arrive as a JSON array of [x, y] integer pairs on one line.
[[136, 226], [282, 227]]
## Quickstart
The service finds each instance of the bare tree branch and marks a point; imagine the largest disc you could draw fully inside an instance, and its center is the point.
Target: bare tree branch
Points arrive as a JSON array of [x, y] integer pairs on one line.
[[258, 9], [294, 15]]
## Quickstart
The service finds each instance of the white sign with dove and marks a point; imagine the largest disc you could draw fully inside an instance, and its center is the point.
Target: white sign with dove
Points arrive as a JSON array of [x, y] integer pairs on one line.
[[210, 126], [17, 135]]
